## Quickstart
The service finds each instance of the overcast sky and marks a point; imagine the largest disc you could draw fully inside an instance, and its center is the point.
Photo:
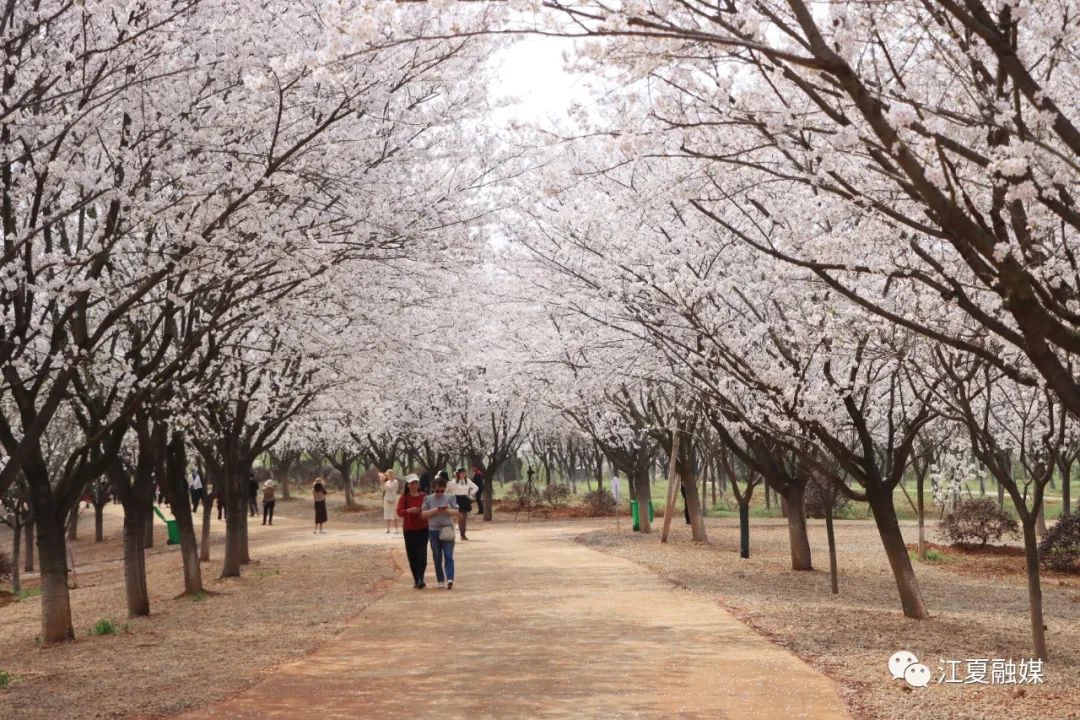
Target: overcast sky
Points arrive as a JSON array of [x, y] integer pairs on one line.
[[532, 71]]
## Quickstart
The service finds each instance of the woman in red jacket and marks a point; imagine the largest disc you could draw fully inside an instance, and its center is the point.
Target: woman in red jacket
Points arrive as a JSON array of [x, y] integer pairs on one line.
[[414, 528]]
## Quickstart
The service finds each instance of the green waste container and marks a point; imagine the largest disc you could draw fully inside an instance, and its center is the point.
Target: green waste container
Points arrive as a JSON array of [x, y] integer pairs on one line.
[[634, 514], [170, 527]]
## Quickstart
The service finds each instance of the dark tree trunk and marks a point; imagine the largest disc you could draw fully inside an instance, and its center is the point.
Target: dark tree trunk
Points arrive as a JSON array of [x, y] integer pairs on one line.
[[99, 522], [643, 489], [172, 467], [920, 500], [911, 599], [796, 521], [73, 523], [833, 573], [208, 509], [55, 598], [744, 527], [1035, 608], [235, 521], [28, 542], [1066, 491], [138, 597], [16, 546], [148, 525]]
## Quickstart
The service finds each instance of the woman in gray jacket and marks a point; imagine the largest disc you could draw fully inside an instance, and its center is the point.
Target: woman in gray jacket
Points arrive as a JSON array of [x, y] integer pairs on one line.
[[439, 509]]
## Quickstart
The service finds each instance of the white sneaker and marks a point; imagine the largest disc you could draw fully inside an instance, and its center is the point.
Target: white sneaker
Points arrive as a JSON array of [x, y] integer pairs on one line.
[[442, 585]]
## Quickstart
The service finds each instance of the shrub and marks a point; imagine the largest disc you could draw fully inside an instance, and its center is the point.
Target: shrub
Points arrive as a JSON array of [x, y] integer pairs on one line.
[[523, 495], [103, 627], [1060, 547], [556, 496], [6, 568], [814, 499], [5, 680], [600, 502], [977, 519]]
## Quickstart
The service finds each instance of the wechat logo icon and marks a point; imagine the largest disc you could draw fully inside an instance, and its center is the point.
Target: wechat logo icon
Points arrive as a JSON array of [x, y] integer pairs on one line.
[[903, 665]]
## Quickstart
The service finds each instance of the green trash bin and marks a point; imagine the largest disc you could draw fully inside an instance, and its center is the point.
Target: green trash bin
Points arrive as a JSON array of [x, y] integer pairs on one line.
[[634, 514], [170, 526]]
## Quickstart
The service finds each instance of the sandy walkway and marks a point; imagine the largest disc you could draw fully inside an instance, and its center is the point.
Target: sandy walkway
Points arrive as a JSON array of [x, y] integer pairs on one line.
[[539, 626]]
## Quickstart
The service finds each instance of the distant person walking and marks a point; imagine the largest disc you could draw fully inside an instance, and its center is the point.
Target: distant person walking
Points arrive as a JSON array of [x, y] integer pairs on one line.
[[414, 527], [463, 489], [478, 481], [253, 495], [195, 487], [318, 493], [390, 499], [268, 502], [425, 482], [440, 509]]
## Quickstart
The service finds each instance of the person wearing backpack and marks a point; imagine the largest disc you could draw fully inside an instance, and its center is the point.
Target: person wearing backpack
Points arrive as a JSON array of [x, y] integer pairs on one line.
[[414, 527]]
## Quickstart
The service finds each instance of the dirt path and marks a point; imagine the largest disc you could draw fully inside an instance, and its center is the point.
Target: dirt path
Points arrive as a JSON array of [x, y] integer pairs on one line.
[[539, 626]]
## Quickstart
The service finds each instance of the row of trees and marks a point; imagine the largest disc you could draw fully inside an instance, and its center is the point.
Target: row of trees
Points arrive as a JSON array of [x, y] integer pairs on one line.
[[188, 203], [831, 241]]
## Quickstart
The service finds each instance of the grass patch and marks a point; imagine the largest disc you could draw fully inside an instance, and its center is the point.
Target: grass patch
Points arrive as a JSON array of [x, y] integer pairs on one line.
[[5, 680], [29, 593], [932, 556], [198, 597], [104, 627], [268, 572]]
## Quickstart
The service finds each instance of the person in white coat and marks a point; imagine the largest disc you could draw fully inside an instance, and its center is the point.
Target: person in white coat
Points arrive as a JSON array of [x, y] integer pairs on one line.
[[390, 498], [464, 490]]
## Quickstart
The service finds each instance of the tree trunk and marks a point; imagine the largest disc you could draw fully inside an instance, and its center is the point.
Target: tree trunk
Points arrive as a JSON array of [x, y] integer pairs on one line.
[[208, 509], [744, 527], [235, 519], [712, 479], [99, 523], [768, 502], [796, 521], [1040, 519], [643, 489], [1066, 490], [73, 523], [834, 578], [1031, 556], [919, 499], [693, 506], [245, 548], [16, 544], [138, 597], [911, 599], [174, 464], [599, 458], [148, 524], [28, 542], [350, 501], [1001, 496], [55, 599]]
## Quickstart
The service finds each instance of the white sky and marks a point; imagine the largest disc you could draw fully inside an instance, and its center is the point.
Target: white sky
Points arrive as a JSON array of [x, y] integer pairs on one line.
[[532, 73]]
